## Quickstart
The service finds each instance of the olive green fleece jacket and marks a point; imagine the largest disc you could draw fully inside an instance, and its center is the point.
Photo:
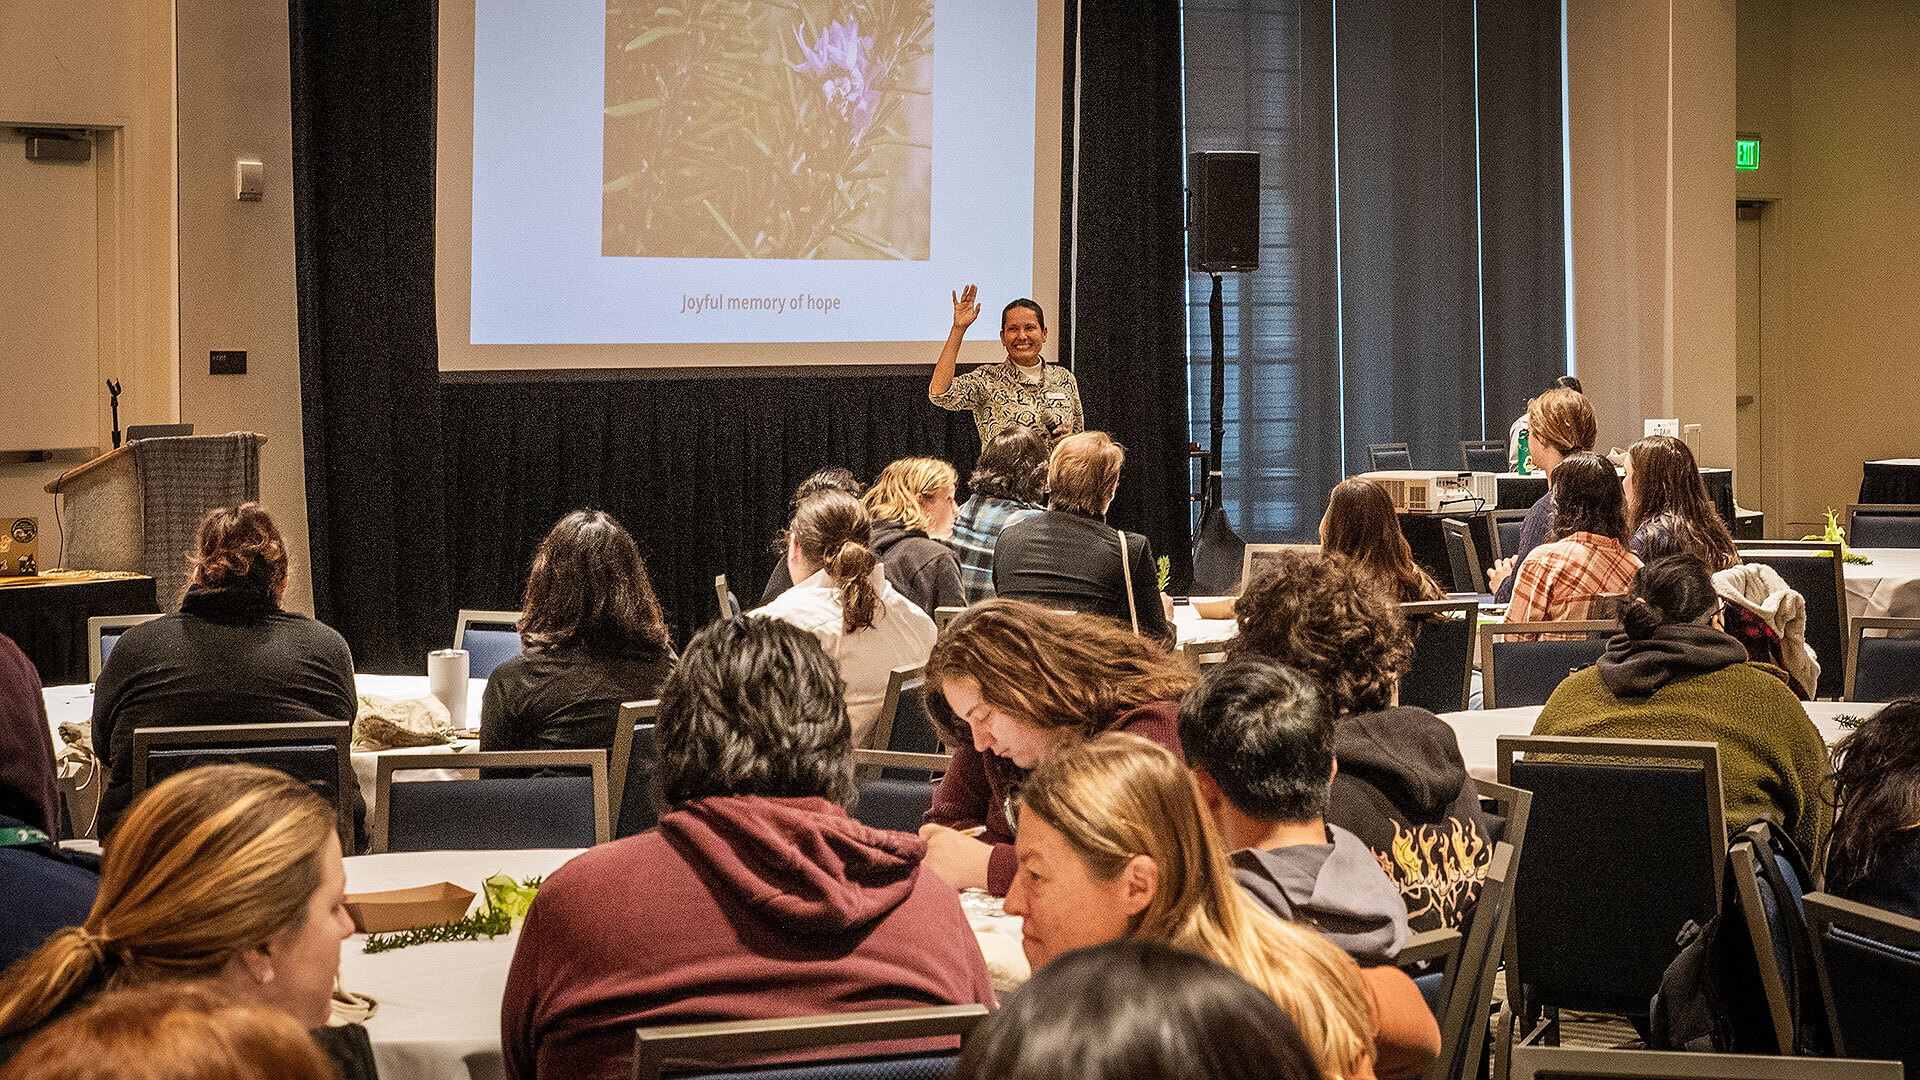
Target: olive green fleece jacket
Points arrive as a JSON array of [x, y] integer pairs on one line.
[[1773, 762]]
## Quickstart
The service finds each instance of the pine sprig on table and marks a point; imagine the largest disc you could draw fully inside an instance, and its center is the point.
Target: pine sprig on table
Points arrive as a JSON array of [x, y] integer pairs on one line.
[[491, 922]]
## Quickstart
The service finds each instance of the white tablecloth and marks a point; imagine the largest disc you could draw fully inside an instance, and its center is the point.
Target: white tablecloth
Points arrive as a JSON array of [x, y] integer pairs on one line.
[[439, 1016], [74, 704], [1477, 730], [1189, 627], [1889, 587]]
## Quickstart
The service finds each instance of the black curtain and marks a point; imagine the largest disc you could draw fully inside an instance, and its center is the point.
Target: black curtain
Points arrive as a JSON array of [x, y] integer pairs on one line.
[[427, 496], [363, 122]]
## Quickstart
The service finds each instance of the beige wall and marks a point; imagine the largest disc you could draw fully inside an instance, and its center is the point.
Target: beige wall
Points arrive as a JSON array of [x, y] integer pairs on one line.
[[1834, 90], [104, 65], [1650, 100], [236, 258]]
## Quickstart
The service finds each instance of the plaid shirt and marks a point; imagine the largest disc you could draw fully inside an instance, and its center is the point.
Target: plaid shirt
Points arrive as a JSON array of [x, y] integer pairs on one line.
[[998, 399], [1559, 581], [975, 531]]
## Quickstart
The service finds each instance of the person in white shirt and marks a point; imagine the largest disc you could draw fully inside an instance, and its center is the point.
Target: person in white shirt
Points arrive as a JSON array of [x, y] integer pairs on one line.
[[843, 599]]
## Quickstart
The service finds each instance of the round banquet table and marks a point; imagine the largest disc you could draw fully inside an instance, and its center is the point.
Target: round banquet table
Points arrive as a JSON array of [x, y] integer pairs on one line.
[[439, 1004], [1477, 730], [1888, 587]]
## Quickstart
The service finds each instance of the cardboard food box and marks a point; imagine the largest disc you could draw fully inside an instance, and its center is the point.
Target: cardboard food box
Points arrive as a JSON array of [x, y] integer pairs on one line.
[[1213, 607], [405, 909]]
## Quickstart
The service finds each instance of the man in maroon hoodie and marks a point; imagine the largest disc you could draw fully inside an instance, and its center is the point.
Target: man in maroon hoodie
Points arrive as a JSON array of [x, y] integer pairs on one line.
[[757, 896]]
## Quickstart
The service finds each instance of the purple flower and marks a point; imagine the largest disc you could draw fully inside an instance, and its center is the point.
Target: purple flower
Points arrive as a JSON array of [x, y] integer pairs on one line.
[[845, 58]]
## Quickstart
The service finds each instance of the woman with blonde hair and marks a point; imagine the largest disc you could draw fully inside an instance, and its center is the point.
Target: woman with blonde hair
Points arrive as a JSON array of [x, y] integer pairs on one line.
[[1007, 682], [913, 507], [1069, 557], [1360, 523], [1116, 842], [228, 873]]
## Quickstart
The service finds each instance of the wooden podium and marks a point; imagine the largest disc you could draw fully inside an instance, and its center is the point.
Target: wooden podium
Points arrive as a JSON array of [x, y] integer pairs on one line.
[[137, 508]]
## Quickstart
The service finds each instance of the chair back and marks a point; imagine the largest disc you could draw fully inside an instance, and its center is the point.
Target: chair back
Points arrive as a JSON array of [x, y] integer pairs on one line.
[[900, 796], [1592, 930], [103, 633], [633, 769], [1515, 673], [1483, 455], [945, 614], [1463, 557], [903, 724], [1771, 889], [733, 1039], [1505, 527], [321, 754], [493, 813], [1466, 992], [1256, 556], [1530, 1062], [489, 638], [1883, 525], [1869, 965], [1813, 569], [1442, 670], [1207, 652], [1389, 457], [729, 604], [1882, 668]]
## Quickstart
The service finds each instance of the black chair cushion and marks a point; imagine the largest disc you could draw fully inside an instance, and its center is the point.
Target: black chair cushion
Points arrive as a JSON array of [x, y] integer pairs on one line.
[[483, 815], [488, 649], [1438, 678], [915, 1067], [316, 764], [1526, 672], [640, 801], [1885, 531], [1874, 985], [900, 805], [1617, 860], [1888, 669]]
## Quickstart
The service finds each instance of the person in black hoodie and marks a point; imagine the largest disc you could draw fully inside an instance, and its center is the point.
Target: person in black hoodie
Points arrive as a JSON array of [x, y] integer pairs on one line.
[[1402, 785], [48, 887], [913, 509]]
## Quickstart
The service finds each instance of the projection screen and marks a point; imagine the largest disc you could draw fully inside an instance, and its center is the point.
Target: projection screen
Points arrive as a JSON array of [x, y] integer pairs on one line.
[[760, 183]]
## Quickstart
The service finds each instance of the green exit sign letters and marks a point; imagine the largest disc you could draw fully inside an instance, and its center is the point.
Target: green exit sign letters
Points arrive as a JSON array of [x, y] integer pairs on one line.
[[1746, 152]]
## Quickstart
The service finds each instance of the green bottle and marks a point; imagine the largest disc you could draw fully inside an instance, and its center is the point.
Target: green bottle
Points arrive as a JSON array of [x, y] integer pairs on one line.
[[1526, 458]]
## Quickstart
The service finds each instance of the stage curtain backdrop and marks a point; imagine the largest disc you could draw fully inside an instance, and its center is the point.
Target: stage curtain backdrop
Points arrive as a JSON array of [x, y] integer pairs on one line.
[[1412, 279], [426, 495]]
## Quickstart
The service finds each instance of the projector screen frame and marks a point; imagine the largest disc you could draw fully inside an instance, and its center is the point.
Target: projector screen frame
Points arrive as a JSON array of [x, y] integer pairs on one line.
[[462, 361]]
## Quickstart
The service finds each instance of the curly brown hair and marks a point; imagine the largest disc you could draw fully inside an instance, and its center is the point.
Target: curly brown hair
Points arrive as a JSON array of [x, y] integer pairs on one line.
[[239, 548], [1050, 669], [1327, 616]]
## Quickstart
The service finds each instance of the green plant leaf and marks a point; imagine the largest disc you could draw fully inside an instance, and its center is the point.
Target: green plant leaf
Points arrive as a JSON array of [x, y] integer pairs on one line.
[[652, 36], [633, 108]]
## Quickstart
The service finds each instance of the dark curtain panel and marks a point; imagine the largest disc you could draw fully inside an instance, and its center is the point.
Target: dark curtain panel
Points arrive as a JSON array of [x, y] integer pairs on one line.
[[363, 123], [699, 470], [1129, 348], [1396, 250]]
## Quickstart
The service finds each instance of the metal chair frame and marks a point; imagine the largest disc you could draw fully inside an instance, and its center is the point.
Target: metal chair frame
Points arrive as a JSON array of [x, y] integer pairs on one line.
[[1468, 610], [1856, 631], [215, 737], [654, 1046], [1252, 555], [1452, 529], [1489, 631], [1374, 450], [1806, 549], [633, 714], [944, 615], [1496, 518], [97, 625], [471, 616], [1825, 910], [1468, 446], [388, 764], [1883, 509]]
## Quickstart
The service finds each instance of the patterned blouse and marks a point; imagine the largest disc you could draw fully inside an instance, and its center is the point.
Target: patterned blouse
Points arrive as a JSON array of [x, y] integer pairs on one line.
[[999, 400]]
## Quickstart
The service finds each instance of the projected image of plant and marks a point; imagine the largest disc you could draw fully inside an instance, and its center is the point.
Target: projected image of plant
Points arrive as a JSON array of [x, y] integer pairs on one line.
[[764, 129]]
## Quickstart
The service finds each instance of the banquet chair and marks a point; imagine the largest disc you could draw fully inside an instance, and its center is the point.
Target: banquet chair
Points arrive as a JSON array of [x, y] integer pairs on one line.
[[1869, 965], [1882, 668], [633, 769], [1506, 527], [321, 754], [944, 615], [1442, 670], [1466, 989], [1383, 457], [489, 637], [103, 633], [1207, 652], [493, 813], [732, 1039], [903, 723], [1772, 930], [729, 603], [1463, 557], [1813, 568], [891, 801], [1515, 673], [1483, 455], [1592, 929], [1883, 525], [1530, 1062]]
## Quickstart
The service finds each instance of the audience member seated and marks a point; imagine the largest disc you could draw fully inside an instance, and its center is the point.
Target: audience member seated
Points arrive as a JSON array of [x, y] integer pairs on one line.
[[1069, 557], [1674, 674], [228, 873], [1559, 422], [1873, 855], [172, 1032], [913, 511], [1008, 485], [1114, 843], [1259, 736], [1402, 785], [1585, 556], [832, 478], [757, 896], [843, 600], [48, 887], [230, 655], [1007, 682], [1137, 1010], [1520, 423], [1360, 524], [593, 637]]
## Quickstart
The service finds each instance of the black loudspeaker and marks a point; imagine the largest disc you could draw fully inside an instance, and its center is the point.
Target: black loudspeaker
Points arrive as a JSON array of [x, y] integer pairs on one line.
[[1223, 210]]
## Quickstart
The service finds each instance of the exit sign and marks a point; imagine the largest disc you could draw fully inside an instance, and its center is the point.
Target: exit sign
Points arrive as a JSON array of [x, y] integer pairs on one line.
[[1746, 153]]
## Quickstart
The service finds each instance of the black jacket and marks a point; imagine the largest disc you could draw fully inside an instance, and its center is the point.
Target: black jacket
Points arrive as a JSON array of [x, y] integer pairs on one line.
[[1063, 560], [920, 568], [565, 699]]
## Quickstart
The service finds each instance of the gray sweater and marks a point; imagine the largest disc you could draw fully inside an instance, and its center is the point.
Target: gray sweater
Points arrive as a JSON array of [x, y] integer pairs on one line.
[[1338, 888]]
